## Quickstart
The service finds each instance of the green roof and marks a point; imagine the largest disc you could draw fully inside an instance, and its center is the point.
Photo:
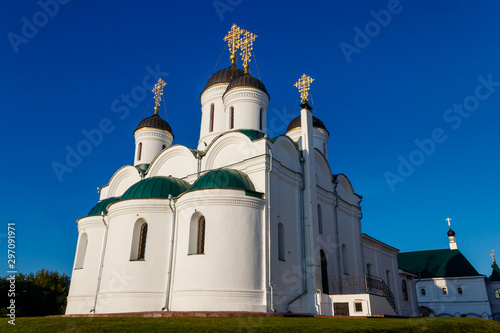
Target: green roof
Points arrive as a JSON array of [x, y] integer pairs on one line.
[[252, 134], [101, 206], [156, 187], [224, 178], [436, 263], [495, 274]]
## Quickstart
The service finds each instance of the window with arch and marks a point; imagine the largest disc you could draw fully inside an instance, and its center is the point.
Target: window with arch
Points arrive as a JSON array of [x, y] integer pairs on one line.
[[324, 273], [164, 146], [405, 290], [369, 268], [281, 242], [212, 111], [324, 148], [260, 118], [139, 151], [200, 245], [82, 250], [197, 234], [231, 122], [423, 292], [139, 240], [460, 291], [345, 263], [320, 220], [497, 293], [444, 290]]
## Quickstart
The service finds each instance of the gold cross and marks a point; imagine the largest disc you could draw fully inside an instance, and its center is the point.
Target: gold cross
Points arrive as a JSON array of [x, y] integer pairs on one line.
[[233, 39], [158, 91], [304, 84], [246, 47], [493, 255], [448, 219]]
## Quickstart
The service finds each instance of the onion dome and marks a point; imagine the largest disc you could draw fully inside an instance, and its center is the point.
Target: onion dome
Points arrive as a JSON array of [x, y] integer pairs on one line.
[[451, 233], [246, 80], [102, 206], [225, 75], [156, 187], [296, 123], [224, 178], [155, 121]]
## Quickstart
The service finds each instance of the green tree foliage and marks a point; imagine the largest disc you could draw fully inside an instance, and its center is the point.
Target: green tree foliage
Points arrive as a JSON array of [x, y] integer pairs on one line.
[[40, 294]]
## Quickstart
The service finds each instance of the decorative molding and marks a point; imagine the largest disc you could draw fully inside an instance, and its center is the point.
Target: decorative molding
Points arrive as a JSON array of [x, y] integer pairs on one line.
[[138, 206], [237, 94], [207, 197]]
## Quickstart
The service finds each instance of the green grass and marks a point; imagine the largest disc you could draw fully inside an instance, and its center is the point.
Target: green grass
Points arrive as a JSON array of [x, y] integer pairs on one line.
[[248, 324]]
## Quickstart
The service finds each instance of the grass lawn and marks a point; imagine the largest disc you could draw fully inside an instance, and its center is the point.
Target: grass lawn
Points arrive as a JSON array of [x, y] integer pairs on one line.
[[248, 324]]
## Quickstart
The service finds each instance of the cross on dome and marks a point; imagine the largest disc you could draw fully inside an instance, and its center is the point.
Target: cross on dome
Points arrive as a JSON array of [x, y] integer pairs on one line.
[[448, 219], [233, 39], [304, 84], [158, 91], [492, 254]]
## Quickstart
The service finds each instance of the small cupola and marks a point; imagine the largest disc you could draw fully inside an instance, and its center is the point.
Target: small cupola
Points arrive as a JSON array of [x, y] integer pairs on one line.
[[153, 134], [451, 236]]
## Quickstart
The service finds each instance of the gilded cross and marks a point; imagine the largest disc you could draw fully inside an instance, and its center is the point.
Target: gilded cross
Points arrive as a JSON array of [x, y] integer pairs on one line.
[[233, 38], [304, 84], [448, 219], [158, 91], [246, 47], [493, 255]]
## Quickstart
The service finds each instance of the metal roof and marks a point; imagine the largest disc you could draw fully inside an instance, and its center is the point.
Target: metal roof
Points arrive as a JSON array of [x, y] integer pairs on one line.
[[246, 80], [225, 75], [156, 187], [224, 178], [155, 121], [296, 123], [101, 206], [495, 274]]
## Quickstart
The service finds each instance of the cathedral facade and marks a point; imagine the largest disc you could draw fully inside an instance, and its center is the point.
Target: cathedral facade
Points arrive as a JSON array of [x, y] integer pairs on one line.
[[244, 222]]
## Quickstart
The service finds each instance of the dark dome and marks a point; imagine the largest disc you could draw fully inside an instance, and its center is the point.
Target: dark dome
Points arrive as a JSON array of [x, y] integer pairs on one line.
[[296, 123], [225, 75], [155, 121], [451, 233], [246, 80]]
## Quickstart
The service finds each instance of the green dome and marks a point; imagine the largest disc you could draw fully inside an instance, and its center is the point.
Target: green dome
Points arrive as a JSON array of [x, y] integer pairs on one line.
[[224, 178], [156, 187], [101, 206]]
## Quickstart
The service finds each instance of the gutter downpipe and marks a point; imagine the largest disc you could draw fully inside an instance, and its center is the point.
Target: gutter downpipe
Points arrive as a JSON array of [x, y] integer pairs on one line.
[[361, 235], [303, 242], [99, 276], [337, 228], [171, 254], [268, 245]]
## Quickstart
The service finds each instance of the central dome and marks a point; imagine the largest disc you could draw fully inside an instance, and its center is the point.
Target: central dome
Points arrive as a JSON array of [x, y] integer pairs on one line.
[[225, 75], [246, 80]]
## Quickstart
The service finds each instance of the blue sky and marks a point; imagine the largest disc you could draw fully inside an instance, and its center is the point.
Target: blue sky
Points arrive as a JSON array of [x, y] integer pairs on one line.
[[409, 90]]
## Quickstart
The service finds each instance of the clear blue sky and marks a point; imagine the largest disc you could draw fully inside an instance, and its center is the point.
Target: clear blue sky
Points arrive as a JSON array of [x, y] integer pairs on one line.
[[377, 91]]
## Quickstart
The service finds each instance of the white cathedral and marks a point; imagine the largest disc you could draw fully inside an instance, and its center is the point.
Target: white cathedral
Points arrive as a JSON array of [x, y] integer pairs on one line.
[[242, 223]]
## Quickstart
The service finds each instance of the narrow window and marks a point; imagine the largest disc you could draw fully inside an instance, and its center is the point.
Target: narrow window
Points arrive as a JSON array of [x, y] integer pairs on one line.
[[358, 307], [231, 124], [320, 220], [324, 148], [212, 110], [164, 146], [201, 236], [405, 290], [82, 249], [369, 269], [460, 291], [142, 242], [139, 151], [445, 291], [324, 272], [497, 293], [423, 292], [388, 278], [281, 242], [345, 264], [260, 118]]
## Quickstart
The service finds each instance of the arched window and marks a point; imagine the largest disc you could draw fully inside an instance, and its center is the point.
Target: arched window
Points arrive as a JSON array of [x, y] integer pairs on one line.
[[212, 110], [281, 242], [444, 290], [164, 146], [497, 293], [82, 249], [260, 118], [324, 148], [460, 291], [388, 278], [142, 242], [324, 272], [345, 263], [139, 151], [369, 269], [423, 292], [405, 290], [320, 221], [231, 123], [200, 248]]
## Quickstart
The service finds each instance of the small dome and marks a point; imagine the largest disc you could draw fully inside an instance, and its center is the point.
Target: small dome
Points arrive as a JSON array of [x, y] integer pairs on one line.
[[225, 75], [101, 206], [296, 123], [451, 233], [224, 178], [156, 187], [155, 121], [246, 80]]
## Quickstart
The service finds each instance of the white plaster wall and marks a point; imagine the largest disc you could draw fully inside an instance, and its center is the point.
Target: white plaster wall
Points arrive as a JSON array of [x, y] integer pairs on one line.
[[229, 275], [152, 140], [495, 302], [209, 96], [84, 281], [176, 161], [123, 178], [247, 103], [372, 304]]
